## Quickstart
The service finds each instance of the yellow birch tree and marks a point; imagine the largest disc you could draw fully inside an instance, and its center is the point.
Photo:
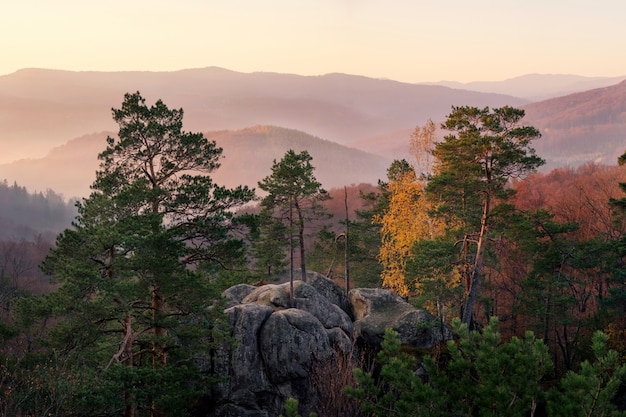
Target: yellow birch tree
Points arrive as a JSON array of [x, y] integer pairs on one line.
[[405, 222], [407, 219]]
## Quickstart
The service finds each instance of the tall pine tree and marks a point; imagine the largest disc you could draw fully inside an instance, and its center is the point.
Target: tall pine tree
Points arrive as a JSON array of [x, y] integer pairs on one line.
[[293, 196], [484, 149], [132, 297]]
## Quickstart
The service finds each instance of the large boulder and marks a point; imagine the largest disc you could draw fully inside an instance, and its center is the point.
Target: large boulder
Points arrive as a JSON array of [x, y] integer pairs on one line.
[[376, 309], [291, 341], [240, 364], [308, 298], [331, 291], [272, 295], [235, 294], [279, 341], [326, 287], [276, 347]]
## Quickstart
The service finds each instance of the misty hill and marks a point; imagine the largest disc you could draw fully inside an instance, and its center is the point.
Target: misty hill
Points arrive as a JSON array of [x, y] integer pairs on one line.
[[249, 154], [247, 158], [536, 87], [41, 109], [577, 128], [581, 127], [25, 214]]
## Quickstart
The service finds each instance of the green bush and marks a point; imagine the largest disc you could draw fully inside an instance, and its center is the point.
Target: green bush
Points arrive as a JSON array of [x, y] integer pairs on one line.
[[482, 376]]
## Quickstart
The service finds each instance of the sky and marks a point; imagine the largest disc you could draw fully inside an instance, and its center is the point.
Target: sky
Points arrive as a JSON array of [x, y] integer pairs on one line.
[[404, 40]]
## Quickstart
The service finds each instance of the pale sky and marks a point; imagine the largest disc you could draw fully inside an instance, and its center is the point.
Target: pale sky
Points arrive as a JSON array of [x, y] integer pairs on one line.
[[404, 40]]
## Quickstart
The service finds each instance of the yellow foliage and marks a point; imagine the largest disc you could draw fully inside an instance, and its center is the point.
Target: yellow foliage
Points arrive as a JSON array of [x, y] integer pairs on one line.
[[405, 222]]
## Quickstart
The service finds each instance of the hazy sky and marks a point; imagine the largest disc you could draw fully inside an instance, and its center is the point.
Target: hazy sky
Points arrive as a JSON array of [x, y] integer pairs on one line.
[[405, 40]]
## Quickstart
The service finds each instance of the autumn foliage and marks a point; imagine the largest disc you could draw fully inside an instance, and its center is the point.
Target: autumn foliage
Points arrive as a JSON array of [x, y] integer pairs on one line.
[[406, 221]]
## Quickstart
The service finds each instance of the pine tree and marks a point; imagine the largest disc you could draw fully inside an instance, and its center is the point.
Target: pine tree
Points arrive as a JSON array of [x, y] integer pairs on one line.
[[551, 286], [291, 408], [364, 244], [397, 391], [433, 263], [293, 197], [270, 245], [473, 164], [480, 377], [486, 377], [590, 392], [133, 297]]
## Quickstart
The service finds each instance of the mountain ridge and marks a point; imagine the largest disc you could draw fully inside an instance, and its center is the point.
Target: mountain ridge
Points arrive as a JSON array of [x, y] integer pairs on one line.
[[40, 109], [577, 122], [536, 87], [56, 105], [248, 155]]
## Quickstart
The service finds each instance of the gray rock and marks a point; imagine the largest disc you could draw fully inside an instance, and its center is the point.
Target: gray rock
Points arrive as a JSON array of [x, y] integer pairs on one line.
[[275, 296], [241, 364], [376, 309], [291, 341], [331, 291], [307, 298], [367, 300], [237, 293], [339, 340]]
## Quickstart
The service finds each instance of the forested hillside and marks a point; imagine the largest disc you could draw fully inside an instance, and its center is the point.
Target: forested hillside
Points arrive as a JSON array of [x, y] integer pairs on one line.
[[25, 214], [51, 117], [572, 125], [29, 224]]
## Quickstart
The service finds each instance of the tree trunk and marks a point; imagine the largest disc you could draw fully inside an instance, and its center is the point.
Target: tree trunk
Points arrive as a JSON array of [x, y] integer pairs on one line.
[[127, 349], [129, 407], [301, 240], [468, 310], [159, 356]]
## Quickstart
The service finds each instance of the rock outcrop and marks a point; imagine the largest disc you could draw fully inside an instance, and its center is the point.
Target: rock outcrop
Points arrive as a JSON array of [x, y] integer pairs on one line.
[[277, 344], [376, 309]]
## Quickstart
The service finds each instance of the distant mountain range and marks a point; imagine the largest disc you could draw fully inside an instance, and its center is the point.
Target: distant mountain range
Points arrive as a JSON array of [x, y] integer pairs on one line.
[[49, 120], [535, 87], [41, 109]]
